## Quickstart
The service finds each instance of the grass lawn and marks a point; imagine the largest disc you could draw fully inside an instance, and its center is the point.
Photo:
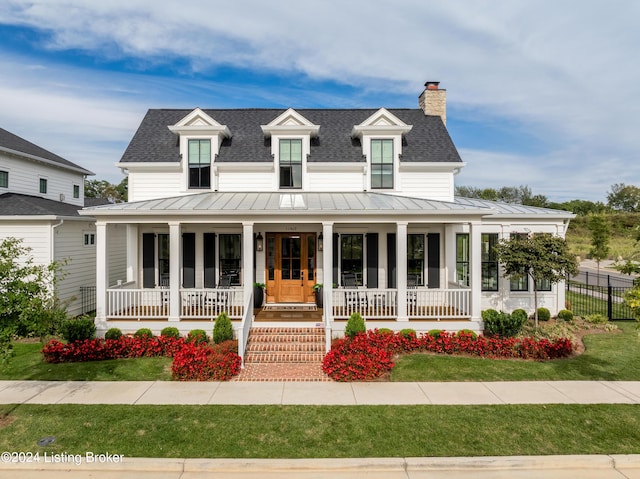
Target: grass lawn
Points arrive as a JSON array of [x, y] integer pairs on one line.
[[323, 431], [28, 364], [610, 356]]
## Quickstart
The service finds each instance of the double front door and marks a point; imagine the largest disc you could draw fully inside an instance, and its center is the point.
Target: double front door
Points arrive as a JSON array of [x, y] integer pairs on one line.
[[291, 267]]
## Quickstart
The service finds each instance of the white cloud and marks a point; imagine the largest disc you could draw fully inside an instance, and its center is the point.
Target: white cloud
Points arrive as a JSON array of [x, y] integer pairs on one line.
[[564, 70]]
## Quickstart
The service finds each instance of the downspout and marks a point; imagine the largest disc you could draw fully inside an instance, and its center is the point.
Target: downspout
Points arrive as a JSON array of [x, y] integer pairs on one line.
[[53, 246], [53, 240]]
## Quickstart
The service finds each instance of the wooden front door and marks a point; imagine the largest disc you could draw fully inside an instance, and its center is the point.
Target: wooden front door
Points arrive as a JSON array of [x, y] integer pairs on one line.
[[291, 267]]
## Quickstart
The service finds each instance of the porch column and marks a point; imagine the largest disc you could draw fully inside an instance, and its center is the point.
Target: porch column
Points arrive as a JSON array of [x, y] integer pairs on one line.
[[174, 271], [102, 271], [475, 262], [327, 272], [247, 261], [132, 253], [401, 268]]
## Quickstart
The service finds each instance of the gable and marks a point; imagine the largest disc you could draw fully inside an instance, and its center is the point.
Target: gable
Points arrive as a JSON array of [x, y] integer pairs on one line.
[[290, 122]]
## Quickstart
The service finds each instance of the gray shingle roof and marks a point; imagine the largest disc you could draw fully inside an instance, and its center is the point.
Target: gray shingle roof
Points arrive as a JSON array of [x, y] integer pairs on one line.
[[427, 141], [14, 204], [9, 141]]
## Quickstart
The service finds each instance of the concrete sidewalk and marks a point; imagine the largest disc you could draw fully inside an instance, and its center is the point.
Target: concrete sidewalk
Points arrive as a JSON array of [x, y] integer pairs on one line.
[[314, 393], [518, 467]]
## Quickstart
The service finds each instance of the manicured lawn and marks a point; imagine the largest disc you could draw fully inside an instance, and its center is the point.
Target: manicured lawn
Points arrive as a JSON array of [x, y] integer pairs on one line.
[[28, 364], [611, 357], [322, 431]]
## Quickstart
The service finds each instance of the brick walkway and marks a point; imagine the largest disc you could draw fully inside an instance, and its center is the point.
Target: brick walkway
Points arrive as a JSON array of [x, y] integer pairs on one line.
[[284, 354], [282, 372]]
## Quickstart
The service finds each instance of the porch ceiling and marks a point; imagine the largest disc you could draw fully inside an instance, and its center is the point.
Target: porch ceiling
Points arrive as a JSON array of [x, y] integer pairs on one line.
[[234, 203]]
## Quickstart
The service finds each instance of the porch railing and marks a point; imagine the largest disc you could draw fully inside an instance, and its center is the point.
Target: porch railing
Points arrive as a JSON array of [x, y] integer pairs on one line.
[[439, 304], [209, 303], [372, 303], [124, 303], [137, 303]]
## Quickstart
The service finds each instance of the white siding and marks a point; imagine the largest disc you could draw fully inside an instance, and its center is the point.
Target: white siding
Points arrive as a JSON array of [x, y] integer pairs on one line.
[[117, 251], [428, 185], [80, 262], [149, 185], [246, 181], [336, 181], [34, 235], [24, 178]]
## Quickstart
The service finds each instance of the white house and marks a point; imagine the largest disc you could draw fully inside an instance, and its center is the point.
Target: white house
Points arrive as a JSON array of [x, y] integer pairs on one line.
[[40, 195], [358, 200]]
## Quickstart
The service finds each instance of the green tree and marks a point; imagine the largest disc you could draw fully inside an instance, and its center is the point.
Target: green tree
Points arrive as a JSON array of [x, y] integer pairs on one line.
[[28, 306], [600, 236], [542, 257], [624, 197], [103, 189]]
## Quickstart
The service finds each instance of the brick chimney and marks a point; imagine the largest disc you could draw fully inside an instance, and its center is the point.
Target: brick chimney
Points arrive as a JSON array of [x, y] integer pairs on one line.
[[433, 100]]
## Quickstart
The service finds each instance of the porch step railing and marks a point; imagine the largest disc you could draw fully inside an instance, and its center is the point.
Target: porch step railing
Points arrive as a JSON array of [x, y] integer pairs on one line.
[[372, 303]]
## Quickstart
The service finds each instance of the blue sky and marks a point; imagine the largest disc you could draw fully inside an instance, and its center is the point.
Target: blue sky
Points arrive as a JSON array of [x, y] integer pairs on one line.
[[539, 93]]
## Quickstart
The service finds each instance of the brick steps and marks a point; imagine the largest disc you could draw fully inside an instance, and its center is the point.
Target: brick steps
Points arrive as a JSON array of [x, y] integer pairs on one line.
[[285, 345]]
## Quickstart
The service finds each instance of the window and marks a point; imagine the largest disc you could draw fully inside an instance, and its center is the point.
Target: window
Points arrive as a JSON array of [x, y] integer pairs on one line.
[[543, 285], [231, 257], [89, 239], [462, 259], [43, 185], [199, 163], [382, 164], [519, 283], [352, 254], [489, 262], [290, 163], [163, 259], [4, 179], [76, 191], [415, 259]]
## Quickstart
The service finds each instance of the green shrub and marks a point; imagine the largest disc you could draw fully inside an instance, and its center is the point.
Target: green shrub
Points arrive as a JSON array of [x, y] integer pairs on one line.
[[170, 332], [503, 325], [468, 331], [197, 336], [520, 313], [596, 319], [113, 333], [565, 315], [78, 329], [544, 314], [435, 333], [143, 333], [385, 331], [222, 329], [489, 314], [355, 325], [408, 333]]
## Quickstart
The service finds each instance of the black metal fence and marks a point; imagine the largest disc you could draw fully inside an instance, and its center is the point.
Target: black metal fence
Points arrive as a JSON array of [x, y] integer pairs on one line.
[[88, 299], [584, 299]]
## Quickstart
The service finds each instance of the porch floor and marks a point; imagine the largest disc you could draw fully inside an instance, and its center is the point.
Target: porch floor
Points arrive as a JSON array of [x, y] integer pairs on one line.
[[284, 316]]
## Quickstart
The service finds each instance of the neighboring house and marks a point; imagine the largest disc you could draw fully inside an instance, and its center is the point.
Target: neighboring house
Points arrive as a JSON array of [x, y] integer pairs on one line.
[[40, 195], [359, 200]]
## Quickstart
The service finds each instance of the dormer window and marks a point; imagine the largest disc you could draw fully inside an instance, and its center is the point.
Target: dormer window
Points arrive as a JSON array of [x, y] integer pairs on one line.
[[381, 137], [200, 164], [290, 135], [200, 139], [290, 163], [382, 163]]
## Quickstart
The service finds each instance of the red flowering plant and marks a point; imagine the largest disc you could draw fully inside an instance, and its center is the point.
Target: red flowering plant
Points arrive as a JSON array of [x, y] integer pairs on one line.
[[190, 361], [369, 355]]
